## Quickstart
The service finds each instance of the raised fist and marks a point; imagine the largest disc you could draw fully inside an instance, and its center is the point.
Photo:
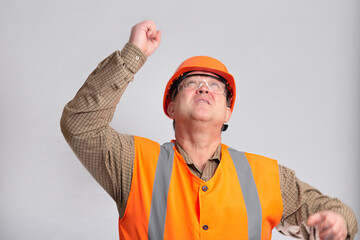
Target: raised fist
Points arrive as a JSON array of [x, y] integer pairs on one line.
[[145, 36]]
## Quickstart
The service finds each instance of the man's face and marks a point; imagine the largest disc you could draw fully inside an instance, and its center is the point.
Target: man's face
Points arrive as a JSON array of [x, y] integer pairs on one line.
[[200, 98]]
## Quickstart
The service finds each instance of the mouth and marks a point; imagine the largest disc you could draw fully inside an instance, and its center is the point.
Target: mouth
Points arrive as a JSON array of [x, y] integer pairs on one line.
[[202, 100]]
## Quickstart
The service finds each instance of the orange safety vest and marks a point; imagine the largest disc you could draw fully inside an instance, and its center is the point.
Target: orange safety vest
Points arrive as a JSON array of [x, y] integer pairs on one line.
[[166, 201]]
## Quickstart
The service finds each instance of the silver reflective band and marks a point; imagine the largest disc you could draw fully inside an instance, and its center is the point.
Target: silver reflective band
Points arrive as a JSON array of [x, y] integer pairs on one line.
[[250, 194], [160, 192]]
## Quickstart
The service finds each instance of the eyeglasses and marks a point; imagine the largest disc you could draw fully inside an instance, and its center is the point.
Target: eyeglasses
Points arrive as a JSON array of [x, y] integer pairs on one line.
[[191, 83]]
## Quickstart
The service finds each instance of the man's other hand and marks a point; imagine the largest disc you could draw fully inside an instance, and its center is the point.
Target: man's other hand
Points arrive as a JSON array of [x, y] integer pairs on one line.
[[331, 225]]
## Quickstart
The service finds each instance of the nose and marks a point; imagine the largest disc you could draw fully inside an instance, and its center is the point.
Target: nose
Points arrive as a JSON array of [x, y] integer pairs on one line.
[[203, 88]]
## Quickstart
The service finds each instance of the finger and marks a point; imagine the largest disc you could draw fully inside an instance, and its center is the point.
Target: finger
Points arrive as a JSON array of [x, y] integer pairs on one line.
[[332, 235], [153, 44], [157, 38], [151, 30], [329, 234], [143, 27], [326, 232], [325, 225], [315, 219]]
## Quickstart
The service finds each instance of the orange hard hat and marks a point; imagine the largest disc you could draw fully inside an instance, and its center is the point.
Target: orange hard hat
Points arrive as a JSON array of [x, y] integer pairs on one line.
[[201, 63]]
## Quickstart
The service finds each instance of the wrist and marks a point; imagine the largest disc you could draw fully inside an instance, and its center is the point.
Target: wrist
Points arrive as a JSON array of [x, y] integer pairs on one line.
[[133, 57]]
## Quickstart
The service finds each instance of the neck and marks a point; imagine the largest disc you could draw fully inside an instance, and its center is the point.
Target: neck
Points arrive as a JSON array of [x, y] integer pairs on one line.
[[199, 141]]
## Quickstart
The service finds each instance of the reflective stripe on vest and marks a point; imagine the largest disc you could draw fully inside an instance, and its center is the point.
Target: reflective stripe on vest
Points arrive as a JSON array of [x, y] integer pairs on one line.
[[249, 191], [162, 182], [160, 192]]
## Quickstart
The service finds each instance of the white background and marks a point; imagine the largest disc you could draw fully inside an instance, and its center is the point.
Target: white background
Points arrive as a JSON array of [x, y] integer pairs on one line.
[[296, 65]]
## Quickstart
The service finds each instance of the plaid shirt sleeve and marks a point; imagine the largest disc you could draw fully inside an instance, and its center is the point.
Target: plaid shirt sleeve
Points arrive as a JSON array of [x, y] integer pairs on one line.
[[105, 153], [300, 200]]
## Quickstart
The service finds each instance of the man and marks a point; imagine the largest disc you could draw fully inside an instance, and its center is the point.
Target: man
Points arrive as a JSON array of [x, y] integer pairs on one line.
[[194, 187]]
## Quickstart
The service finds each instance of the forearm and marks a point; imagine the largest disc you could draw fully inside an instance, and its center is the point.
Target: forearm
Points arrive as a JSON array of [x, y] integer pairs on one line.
[[95, 102], [85, 120], [302, 200]]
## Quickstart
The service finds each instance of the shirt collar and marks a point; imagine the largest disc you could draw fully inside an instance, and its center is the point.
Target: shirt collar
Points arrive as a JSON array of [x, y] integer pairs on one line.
[[216, 156]]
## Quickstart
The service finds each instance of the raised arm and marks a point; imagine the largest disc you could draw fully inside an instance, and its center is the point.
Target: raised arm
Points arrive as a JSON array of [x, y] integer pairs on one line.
[[107, 154]]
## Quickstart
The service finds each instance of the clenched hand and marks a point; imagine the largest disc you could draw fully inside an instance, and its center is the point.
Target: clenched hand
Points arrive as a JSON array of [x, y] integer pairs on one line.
[[145, 36]]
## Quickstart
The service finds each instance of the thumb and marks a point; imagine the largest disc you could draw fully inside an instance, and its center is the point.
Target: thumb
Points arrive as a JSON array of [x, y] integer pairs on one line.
[[316, 218]]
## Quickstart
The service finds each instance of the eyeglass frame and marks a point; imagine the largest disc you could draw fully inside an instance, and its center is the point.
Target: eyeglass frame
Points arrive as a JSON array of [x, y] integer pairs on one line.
[[181, 86], [174, 87]]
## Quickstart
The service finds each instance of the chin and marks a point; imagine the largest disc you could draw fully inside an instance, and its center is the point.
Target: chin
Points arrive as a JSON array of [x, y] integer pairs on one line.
[[202, 117]]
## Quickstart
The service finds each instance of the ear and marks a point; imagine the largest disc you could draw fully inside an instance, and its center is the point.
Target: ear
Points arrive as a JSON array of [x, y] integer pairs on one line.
[[170, 110], [228, 114]]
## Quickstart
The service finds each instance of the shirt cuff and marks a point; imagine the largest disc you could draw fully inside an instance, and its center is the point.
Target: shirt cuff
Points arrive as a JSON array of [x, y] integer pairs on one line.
[[133, 57]]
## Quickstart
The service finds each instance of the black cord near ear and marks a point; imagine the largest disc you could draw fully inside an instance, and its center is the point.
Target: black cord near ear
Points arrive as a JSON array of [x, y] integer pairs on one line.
[[224, 127]]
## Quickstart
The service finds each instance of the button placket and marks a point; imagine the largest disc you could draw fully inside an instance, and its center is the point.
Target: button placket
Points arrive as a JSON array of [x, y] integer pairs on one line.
[[204, 226]]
